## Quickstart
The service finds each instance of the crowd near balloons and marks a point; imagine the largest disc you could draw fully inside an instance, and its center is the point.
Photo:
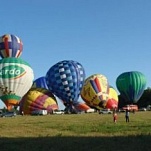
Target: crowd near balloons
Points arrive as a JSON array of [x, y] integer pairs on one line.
[[64, 81]]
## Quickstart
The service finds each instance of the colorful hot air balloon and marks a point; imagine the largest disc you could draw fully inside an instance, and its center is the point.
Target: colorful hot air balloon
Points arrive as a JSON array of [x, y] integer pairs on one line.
[[40, 83], [131, 85], [95, 91], [65, 79], [80, 106], [112, 102], [10, 46], [38, 99], [16, 78]]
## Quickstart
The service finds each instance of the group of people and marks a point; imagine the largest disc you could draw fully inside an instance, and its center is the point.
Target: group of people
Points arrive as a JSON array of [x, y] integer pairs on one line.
[[115, 115]]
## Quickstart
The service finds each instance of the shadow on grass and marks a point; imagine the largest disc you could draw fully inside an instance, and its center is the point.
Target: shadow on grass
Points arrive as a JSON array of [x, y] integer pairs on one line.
[[58, 143]]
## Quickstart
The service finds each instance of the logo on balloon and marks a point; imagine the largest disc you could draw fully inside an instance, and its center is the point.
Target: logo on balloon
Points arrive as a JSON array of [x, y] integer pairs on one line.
[[12, 72]]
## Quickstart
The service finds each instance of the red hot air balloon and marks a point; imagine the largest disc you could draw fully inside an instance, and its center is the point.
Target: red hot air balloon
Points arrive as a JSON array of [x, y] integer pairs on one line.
[[112, 102]]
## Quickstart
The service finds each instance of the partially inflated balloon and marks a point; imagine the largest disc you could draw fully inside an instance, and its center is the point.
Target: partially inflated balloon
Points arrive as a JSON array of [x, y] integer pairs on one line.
[[10, 46], [40, 83], [65, 79], [131, 85], [81, 106], [38, 99], [16, 78], [95, 91], [112, 101]]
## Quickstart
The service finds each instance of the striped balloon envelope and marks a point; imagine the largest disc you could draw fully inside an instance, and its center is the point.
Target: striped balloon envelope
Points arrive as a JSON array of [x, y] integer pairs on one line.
[[131, 85], [10, 46], [95, 91], [38, 99]]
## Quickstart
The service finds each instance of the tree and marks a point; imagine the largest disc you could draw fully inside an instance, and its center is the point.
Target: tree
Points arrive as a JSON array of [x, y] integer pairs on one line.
[[145, 99]]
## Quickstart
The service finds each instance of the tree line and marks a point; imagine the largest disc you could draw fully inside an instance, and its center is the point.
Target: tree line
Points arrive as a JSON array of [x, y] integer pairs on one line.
[[144, 101]]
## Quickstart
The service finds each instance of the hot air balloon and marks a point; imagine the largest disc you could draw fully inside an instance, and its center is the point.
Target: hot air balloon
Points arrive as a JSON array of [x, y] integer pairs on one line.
[[131, 85], [38, 99], [10, 46], [80, 106], [65, 80], [16, 78], [40, 83], [112, 102], [95, 91]]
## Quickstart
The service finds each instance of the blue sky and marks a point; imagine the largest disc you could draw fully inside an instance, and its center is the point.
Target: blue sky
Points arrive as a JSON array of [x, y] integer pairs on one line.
[[106, 36]]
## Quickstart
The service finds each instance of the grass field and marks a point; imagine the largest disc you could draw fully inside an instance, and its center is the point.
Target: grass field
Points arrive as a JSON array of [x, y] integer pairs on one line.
[[76, 132]]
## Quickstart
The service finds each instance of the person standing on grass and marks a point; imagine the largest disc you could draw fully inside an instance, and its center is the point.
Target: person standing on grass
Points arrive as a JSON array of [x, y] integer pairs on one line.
[[127, 115], [115, 117]]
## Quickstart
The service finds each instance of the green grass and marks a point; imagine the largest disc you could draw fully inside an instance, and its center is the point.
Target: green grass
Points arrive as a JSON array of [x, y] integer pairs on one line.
[[76, 132]]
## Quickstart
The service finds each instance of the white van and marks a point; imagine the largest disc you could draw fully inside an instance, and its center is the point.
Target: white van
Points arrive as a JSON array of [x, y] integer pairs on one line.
[[90, 111], [39, 112]]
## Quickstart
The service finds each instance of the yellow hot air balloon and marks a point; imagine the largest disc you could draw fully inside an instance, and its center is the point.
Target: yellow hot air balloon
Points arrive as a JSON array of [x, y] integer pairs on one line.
[[95, 91], [38, 99]]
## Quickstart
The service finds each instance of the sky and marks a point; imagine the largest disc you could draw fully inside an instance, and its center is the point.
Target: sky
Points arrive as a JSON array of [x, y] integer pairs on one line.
[[107, 37]]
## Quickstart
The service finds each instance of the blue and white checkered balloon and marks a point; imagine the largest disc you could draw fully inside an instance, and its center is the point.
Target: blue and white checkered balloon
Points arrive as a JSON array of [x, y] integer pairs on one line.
[[65, 79]]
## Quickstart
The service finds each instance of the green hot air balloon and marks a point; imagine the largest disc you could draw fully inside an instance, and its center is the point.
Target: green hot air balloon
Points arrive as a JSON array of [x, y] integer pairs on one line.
[[131, 85], [16, 78]]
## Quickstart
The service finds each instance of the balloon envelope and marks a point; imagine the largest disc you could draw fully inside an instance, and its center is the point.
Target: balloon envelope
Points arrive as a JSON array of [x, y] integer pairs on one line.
[[80, 106], [95, 91], [131, 85], [40, 83], [65, 80], [38, 99], [112, 101], [10, 46], [16, 78]]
